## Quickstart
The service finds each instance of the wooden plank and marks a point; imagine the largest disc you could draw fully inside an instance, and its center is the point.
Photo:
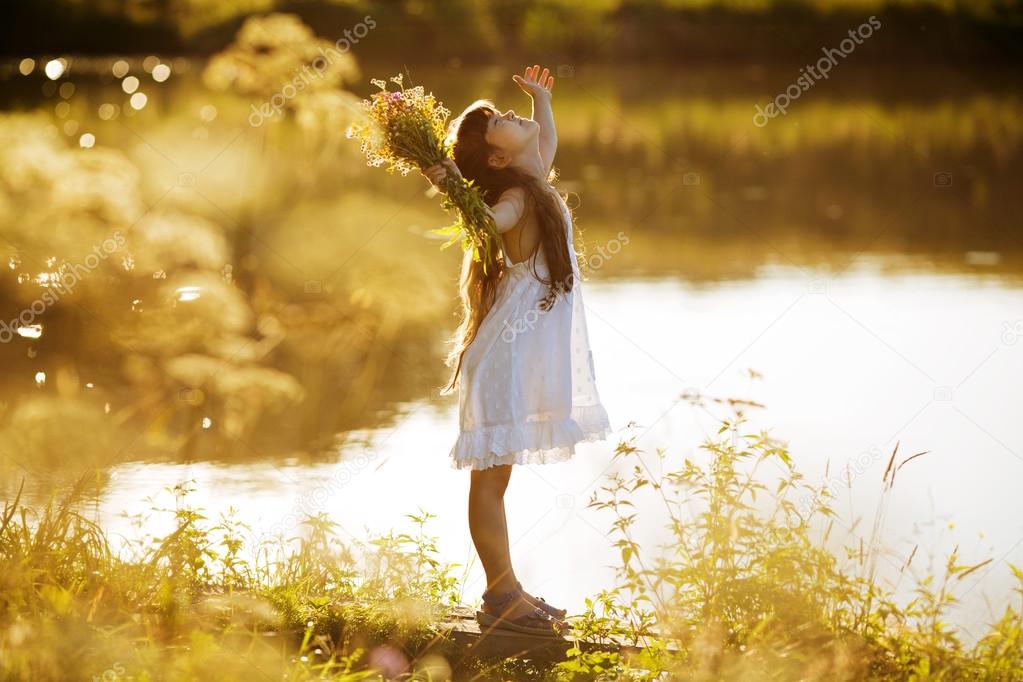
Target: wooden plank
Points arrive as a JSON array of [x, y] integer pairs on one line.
[[462, 628]]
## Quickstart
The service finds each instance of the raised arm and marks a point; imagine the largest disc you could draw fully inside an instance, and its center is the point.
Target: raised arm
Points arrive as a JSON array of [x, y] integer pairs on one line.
[[538, 86]]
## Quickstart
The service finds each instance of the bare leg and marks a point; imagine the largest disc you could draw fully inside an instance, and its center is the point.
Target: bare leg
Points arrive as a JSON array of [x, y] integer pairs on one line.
[[488, 526], [530, 598], [489, 529]]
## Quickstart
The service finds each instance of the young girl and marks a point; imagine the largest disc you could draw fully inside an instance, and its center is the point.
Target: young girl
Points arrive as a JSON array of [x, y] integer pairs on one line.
[[522, 362]]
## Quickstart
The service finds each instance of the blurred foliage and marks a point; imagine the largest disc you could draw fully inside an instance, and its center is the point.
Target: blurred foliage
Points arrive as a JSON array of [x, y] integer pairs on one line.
[[194, 326], [269, 51], [146, 290]]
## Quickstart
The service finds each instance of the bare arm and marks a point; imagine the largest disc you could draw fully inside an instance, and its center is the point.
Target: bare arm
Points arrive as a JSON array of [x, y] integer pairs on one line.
[[508, 210], [538, 86]]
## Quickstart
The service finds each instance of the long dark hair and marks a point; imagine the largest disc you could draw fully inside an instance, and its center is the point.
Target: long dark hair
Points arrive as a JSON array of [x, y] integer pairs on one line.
[[476, 287]]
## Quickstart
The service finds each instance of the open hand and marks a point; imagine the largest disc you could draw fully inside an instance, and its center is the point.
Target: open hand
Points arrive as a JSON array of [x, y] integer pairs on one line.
[[534, 83]]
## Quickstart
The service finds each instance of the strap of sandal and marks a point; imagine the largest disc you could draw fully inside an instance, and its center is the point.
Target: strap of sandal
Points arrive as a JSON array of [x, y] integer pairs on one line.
[[536, 615], [494, 602], [519, 587]]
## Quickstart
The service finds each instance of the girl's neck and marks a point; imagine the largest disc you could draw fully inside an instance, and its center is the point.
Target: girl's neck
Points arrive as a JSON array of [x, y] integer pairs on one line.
[[531, 164]]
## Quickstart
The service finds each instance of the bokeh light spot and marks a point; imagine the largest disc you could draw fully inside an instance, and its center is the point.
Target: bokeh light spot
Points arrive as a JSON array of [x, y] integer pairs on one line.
[[54, 69], [108, 111]]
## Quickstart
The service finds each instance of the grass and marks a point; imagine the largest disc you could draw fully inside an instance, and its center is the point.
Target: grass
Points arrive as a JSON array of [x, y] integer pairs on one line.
[[748, 589], [751, 590], [196, 605]]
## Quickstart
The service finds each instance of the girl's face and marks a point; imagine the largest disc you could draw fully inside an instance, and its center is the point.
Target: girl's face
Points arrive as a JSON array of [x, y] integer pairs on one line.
[[511, 134]]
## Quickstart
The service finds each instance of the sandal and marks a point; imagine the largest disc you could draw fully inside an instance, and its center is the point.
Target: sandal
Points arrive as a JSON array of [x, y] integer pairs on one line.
[[552, 610], [537, 623]]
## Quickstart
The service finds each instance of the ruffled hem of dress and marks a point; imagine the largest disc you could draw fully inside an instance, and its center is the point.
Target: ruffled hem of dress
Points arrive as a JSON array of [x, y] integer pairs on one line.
[[535, 442]]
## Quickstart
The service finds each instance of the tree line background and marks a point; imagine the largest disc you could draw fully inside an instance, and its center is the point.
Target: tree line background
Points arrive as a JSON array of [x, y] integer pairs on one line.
[[656, 30]]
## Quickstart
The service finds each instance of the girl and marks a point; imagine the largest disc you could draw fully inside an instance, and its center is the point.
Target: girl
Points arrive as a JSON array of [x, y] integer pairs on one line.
[[521, 361]]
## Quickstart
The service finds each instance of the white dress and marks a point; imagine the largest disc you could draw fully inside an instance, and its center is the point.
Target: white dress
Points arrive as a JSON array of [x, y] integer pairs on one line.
[[527, 391]]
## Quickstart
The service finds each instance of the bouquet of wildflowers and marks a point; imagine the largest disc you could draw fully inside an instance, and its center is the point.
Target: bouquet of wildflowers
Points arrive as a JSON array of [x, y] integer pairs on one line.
[[405, 130]]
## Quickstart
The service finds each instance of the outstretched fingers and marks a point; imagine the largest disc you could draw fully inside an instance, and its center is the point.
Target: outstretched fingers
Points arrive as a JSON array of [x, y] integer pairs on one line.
[[533, 80], [544, 79]]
